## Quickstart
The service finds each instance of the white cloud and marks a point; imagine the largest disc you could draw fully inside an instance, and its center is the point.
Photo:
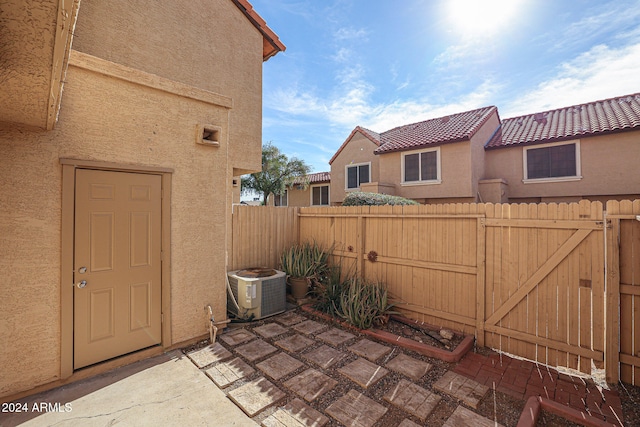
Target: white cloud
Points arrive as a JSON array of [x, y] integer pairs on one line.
[[600, 73], [350, 34]]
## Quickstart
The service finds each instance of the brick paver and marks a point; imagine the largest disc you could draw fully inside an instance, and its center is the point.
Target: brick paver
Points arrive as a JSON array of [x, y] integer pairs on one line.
[[335, 336], [255, 396], [208, 355], [309, 327], [294, 343], [296, 414], [255, 350], [237, 336], [369, 349], [290, 318], [413, 399], [270, 330], [462, 388], [464, 417], [279, 366], [324, 356], [356, 410], [310, 384], [408, 366], [363, 372], [226, 373]]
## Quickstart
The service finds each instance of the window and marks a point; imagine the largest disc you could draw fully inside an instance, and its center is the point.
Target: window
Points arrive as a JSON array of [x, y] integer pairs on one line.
[[552, 162], [280, 199], [357, 174], [320, 195], [421, 167]]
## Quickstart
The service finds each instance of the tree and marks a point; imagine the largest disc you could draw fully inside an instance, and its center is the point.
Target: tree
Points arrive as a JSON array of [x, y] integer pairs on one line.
[[278, 173]]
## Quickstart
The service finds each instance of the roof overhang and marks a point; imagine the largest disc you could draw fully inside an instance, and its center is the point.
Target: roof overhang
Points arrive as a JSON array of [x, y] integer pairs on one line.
[[35, 53], [271, 44]]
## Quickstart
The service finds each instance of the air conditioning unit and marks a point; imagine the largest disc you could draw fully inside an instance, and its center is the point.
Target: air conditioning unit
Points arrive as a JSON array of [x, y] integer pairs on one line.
[[258, 291]]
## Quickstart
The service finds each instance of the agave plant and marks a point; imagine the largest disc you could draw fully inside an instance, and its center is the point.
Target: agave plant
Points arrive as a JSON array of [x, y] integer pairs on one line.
[[364, 304], [308, 260]]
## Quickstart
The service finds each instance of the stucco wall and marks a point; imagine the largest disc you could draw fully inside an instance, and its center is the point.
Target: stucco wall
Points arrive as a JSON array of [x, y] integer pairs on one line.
[[609, 166], [455, 161], [297, 197], [108, 119], [358, 150], [208, 44]]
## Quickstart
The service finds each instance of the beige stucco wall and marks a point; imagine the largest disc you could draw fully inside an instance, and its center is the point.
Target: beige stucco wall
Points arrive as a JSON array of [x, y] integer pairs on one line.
[[298, 197], [108, 119], [199, 45], [358, 150], [609, 167]]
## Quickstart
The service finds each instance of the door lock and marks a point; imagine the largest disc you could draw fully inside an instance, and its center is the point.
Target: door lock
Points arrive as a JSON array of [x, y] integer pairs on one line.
[[82, 270], [82, 284]]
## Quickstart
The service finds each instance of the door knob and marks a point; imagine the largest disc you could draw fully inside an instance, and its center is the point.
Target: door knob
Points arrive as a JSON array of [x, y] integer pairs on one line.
[[82, 284], [82, 270]]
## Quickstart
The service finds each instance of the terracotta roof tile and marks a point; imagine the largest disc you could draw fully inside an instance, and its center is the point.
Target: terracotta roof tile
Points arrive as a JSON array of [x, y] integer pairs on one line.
[[271, 44], [452, 128], [315, 178], [593, 118], [371, 135]]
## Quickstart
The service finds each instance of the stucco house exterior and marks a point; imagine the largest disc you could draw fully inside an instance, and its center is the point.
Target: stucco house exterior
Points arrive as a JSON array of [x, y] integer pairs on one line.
[[311, 190], [585, 151], [124, 129]]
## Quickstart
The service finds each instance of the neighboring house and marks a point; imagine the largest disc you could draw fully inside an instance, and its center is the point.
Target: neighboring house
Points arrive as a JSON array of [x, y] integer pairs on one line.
[[116, 193], [585, 151], [311, 190]]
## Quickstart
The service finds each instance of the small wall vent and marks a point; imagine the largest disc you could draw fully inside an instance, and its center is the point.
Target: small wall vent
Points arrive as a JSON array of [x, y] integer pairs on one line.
[[208, 135]]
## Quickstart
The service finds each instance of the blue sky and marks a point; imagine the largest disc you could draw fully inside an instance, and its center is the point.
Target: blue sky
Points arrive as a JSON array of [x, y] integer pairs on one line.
[[385, 63]]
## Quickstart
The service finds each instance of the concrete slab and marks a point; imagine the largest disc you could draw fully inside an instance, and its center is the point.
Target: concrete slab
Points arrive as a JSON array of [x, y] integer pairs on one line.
[[363, 372], [255, 396], [255, 350], [294, 343], [237, 336], [279, 366], [356, 410], [164, 390], [296, 414], [290, 318], [226, 373], [462, 388], [270, 330], [465, 417], [310, 384], [369, 349], [413, 399], [210, 354], [408, 366], [335, 336], [324, 356], [309, 327]]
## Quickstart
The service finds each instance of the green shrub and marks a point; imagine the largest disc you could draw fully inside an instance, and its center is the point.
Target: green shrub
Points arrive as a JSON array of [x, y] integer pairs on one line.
[[364, 304], [305, 260], [359, 198], [329, 292]]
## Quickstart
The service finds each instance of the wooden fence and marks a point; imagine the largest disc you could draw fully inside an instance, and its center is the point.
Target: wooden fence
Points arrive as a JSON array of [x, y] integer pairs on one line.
[[527, 279]]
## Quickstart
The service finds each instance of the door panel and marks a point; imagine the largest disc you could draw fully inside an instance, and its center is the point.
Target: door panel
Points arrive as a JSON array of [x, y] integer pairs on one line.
[[117, 240]]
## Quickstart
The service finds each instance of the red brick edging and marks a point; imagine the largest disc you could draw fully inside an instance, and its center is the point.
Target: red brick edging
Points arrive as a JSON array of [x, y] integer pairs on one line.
[[422, 348], [535, 404]]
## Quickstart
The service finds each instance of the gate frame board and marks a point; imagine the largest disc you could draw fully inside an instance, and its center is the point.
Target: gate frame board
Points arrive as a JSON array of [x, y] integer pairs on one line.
[[612, 292], [69, 167]]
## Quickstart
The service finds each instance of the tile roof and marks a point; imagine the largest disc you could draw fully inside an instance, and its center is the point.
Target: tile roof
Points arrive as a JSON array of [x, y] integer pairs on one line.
[[315, 178], [371, 135], [271, 44], [452, 128], [593, 118]]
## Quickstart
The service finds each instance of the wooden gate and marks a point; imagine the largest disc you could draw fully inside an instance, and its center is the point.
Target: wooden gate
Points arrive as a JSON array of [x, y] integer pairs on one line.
[[624, 280]]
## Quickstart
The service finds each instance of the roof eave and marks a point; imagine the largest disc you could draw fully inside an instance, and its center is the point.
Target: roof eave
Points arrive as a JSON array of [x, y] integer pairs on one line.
[[271, 43], [420, 147], [564, 138]]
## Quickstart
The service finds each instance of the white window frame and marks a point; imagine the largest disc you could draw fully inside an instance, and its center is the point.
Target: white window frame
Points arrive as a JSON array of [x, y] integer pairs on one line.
[[576, 177], [328, 194], [346, 175], [286, 192], [438, 179]]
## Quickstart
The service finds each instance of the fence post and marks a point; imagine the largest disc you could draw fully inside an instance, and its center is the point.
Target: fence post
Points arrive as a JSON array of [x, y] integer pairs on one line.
[[612, 323], [480, 280], [360, 245]]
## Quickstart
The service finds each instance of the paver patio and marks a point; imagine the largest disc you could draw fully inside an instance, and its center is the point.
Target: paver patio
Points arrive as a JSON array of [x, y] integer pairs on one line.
[[311, 358]]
